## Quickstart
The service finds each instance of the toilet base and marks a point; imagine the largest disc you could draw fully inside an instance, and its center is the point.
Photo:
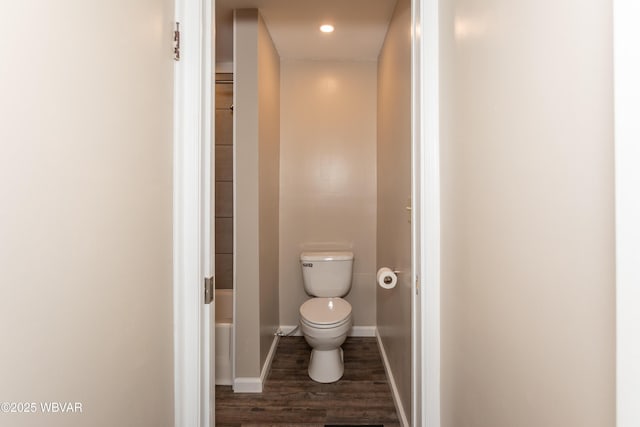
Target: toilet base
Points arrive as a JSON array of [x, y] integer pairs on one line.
[[326, 366]]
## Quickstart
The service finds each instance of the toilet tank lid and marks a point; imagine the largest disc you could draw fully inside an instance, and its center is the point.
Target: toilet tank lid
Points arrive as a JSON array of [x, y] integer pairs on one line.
[[326, 256]]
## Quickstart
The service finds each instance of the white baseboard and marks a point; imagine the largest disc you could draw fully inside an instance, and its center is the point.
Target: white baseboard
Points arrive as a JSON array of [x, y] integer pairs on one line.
[[267, 363], [256, 384], [247, 385], [356, 331], [392, 382], [363, 331], [287, 329]]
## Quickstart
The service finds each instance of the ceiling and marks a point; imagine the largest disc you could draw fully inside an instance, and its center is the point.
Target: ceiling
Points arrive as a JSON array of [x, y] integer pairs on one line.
[[360, 27]]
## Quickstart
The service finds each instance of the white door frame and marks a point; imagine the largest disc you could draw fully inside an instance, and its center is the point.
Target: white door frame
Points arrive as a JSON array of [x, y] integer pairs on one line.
[[416, 212], [193, 206], [426, 215], [627, 176], [192, 215]]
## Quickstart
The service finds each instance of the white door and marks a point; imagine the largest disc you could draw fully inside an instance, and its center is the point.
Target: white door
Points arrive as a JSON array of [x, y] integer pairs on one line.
[[86, 170]]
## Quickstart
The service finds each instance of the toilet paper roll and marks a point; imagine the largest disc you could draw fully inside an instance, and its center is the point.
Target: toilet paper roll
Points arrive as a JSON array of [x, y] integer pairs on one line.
[[387, 278]]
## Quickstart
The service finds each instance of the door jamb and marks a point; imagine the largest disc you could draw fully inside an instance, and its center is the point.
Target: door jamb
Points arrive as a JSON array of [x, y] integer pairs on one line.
[[626, 63], [192, 205], [426, 215]]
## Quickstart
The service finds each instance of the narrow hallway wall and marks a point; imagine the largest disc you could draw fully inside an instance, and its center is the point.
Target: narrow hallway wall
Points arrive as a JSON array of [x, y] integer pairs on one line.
[[86, 162], [394, 191], [528, 327], [257, 145]]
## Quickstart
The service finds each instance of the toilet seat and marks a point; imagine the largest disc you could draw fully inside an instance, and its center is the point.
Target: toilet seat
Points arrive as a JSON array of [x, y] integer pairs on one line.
[[326, 327], [325, 313]]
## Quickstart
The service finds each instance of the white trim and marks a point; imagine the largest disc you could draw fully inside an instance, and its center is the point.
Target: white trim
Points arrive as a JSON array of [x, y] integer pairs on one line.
[[191, 232], [356, 331], [269, 360], [402, 415], [430, 214], [256, 384], [425, 316], [287, 329], [416, 224], [363, 331], [208, 351], [247, 385], [627, 177]]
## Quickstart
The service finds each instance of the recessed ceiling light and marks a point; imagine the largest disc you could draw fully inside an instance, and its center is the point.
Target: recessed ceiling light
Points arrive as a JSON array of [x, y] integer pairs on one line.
[[326, 28]]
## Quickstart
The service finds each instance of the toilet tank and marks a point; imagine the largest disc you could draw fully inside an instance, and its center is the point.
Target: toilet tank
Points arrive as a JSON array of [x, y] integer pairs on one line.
[[327, 274]]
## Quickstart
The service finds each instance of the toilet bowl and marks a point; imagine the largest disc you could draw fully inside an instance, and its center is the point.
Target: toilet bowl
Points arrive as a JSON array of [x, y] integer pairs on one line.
[[325, 323]]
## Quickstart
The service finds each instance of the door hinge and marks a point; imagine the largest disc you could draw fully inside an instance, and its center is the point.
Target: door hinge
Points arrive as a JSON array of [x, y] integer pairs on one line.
[[417, 285], [209, 287], [176, 42]]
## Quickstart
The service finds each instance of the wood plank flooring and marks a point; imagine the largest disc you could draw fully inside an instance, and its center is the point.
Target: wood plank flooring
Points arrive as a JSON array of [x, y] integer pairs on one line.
[[290, 398]]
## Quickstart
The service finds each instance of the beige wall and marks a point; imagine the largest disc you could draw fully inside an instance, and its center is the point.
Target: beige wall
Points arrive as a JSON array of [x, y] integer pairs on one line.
[[256, 110], [527, 215], [327, 178], [394, 190], [86, 223], [247, 251], [269, 185]]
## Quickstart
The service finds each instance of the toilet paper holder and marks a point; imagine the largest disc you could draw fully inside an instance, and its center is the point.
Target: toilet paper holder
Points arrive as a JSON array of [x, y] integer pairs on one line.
[[387, 278]]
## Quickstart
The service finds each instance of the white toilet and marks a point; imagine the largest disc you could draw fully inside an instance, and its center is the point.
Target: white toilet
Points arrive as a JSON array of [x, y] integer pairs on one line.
[[325, 320]]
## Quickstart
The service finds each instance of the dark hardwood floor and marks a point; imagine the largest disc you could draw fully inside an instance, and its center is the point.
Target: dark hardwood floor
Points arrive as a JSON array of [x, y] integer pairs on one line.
[[291, 398]]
